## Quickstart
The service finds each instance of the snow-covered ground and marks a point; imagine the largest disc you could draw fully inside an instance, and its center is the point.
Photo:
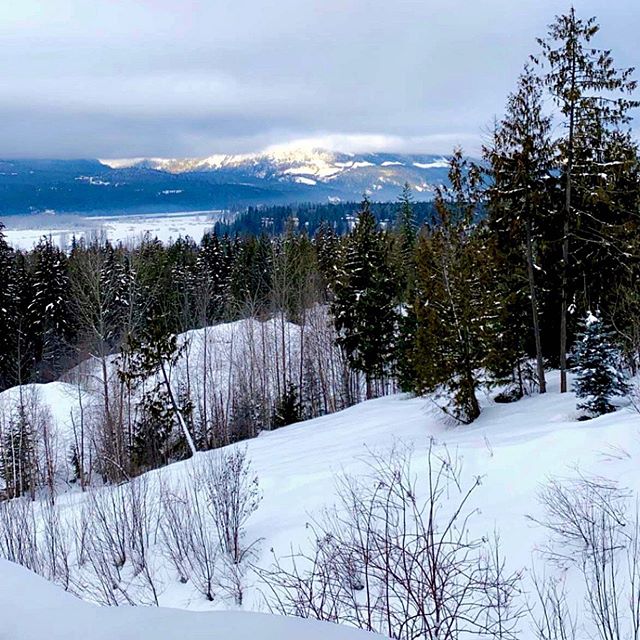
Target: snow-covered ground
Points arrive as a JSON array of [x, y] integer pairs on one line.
[[514, 448], [23, 232], [33, 609]]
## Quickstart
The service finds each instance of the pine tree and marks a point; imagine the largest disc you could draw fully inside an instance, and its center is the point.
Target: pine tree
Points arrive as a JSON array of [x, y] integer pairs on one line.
[[8, 296], [250, 278], [597, 367], [116, 289], [155, 354], [50, 308], [213, 267], [593, 99], [453, 310], [328, 251], [364, 306], [17, 459], [406, 233], [520, 163], [152, 431], [287, 409]]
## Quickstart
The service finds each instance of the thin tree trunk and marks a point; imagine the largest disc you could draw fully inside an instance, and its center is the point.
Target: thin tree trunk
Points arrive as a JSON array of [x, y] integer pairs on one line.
[[176, 409], [534, 309], [565, 238]]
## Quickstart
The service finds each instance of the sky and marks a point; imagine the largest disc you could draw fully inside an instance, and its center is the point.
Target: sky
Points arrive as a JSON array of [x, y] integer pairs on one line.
[[182, 78]]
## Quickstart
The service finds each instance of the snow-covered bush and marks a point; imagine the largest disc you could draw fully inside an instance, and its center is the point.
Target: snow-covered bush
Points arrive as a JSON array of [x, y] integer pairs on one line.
[[597, 367]]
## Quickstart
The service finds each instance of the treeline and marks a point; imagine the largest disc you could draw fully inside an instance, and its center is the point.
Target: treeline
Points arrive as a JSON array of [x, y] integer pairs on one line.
[[487, 285], [309, 217]]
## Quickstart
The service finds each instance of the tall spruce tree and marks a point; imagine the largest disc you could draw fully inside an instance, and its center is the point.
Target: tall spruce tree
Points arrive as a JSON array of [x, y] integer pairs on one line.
[[520, 166], [454, 314], [50, 308], [8, 296], [592, 96], [364, 306], [597, 367], [406, 233]]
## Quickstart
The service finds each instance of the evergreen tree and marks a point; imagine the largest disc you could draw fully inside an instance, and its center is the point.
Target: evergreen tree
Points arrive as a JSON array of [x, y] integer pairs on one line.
[[287, 409], [153, 356], [152, 431], [328, 250], [453, 311], [405, 243], [8, 296], [250, 278], [213, 267], [597, 367], [364, 307], [116, 288], [50, 308], [17, 459], [520, 163], [593, 99]]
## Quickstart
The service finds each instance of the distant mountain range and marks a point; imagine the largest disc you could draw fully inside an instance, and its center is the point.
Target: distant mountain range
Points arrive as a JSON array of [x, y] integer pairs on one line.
[[277, 176]]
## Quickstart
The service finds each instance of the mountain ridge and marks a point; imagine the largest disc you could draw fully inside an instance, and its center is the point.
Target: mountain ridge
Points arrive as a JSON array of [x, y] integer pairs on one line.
[[278, 175]]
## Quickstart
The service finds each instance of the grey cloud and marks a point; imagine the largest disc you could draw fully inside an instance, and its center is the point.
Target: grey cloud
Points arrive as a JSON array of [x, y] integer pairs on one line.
[[153, 77]]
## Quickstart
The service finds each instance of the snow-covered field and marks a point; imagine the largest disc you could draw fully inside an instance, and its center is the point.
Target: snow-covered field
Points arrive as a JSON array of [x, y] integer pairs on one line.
[[515, 449], [23, 232]]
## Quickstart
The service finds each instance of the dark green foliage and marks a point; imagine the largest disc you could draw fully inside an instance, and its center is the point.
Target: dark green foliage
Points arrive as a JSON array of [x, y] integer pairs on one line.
[[8, 312], [406, 233], [311, 217], [17, 459], [153, 430], [50, 309], [597, 367], [364, 303], [453, 310], [519, 197], [287, 409], [594, 99], [250, 278]]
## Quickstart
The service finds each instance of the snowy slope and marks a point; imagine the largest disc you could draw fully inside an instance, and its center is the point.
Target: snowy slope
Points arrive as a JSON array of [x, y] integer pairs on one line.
[[33, 609], [214, 360], [515, 449]]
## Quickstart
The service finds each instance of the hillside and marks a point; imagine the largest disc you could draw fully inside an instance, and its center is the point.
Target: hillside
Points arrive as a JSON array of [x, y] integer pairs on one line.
[[516, 449], [144, 185]]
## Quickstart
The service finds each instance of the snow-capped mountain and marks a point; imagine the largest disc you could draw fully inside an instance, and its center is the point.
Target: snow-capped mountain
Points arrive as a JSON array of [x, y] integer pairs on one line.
[[371, 172], [313, 162], [278, 175]]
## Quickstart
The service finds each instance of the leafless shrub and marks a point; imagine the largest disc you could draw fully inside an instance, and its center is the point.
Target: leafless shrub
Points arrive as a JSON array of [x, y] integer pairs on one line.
[[80, 530], [109, 527], [55, 547], [203, 543], [174, 524], [386, 560], [578, 512], [589, 521], [18, 533], [232, 494], [122, 523], [551, 617], [142, 523]]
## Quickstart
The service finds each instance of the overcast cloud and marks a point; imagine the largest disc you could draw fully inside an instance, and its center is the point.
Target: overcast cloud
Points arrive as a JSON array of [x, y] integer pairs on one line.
[[121, 78]]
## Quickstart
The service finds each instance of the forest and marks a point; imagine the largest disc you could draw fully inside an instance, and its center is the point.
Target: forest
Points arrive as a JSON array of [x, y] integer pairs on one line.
[[526, 261]]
